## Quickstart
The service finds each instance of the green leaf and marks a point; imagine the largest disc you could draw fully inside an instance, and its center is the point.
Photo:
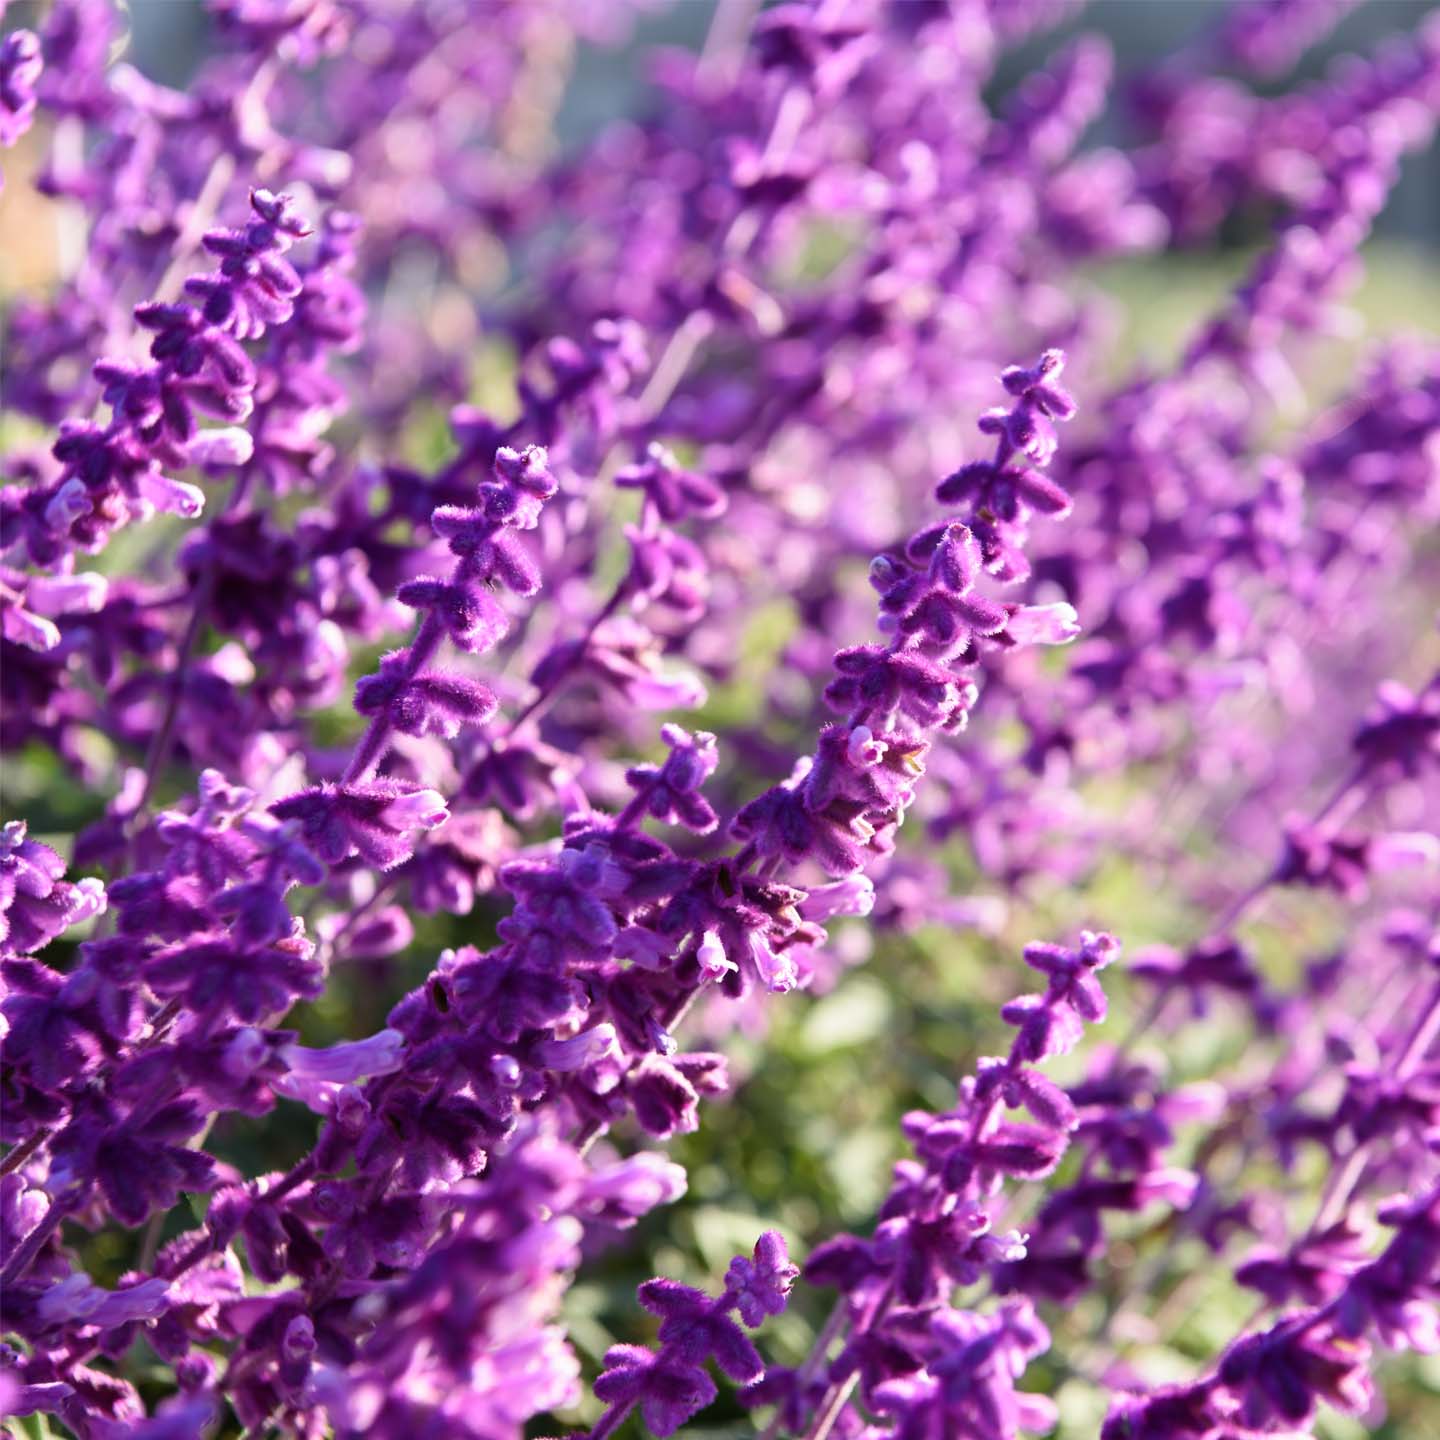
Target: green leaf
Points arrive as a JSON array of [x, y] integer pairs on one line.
[[859, 1012]]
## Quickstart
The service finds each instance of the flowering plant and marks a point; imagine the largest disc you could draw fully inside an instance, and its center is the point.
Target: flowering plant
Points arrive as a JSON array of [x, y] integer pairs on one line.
[[460, 786]]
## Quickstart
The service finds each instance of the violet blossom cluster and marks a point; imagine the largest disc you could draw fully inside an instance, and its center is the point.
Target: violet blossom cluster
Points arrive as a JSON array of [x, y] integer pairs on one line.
[[398, 490]]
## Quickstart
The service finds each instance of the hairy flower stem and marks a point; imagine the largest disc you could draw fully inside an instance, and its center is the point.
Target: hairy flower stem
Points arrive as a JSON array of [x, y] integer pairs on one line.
[[370, 748], [164, 736], [212, 190], [163, 739], [826, 1420], [160, 1022], [830, 1331], [589, 1133], [17, 1155], [724, 48], [837, 1397], [610, 1421], [32, 1244], [1342, 1181], [554, 684]]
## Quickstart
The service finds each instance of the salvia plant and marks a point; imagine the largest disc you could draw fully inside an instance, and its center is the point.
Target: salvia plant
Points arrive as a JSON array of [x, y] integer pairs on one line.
[[452, 749]]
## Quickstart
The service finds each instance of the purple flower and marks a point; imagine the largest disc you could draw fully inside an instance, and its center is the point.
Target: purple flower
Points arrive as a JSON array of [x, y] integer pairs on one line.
[[1052, 1023], [36, 905], [674, 492], [670, 792], [1404, 729], [214, 976], [694, 1328], [762, 1284], [134, 1158], [669, 1389], [1280, 1375], [969, 1385], [376, 821], [671, 1386], [432, 703], [20, 67]]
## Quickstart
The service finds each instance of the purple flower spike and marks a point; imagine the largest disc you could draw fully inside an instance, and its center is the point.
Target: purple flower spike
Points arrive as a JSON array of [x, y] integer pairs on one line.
[[762, 1284]]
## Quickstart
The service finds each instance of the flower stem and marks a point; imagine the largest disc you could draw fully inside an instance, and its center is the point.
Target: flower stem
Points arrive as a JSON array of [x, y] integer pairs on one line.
[[30, 1246], [20, 1153], [1341, 1183]]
